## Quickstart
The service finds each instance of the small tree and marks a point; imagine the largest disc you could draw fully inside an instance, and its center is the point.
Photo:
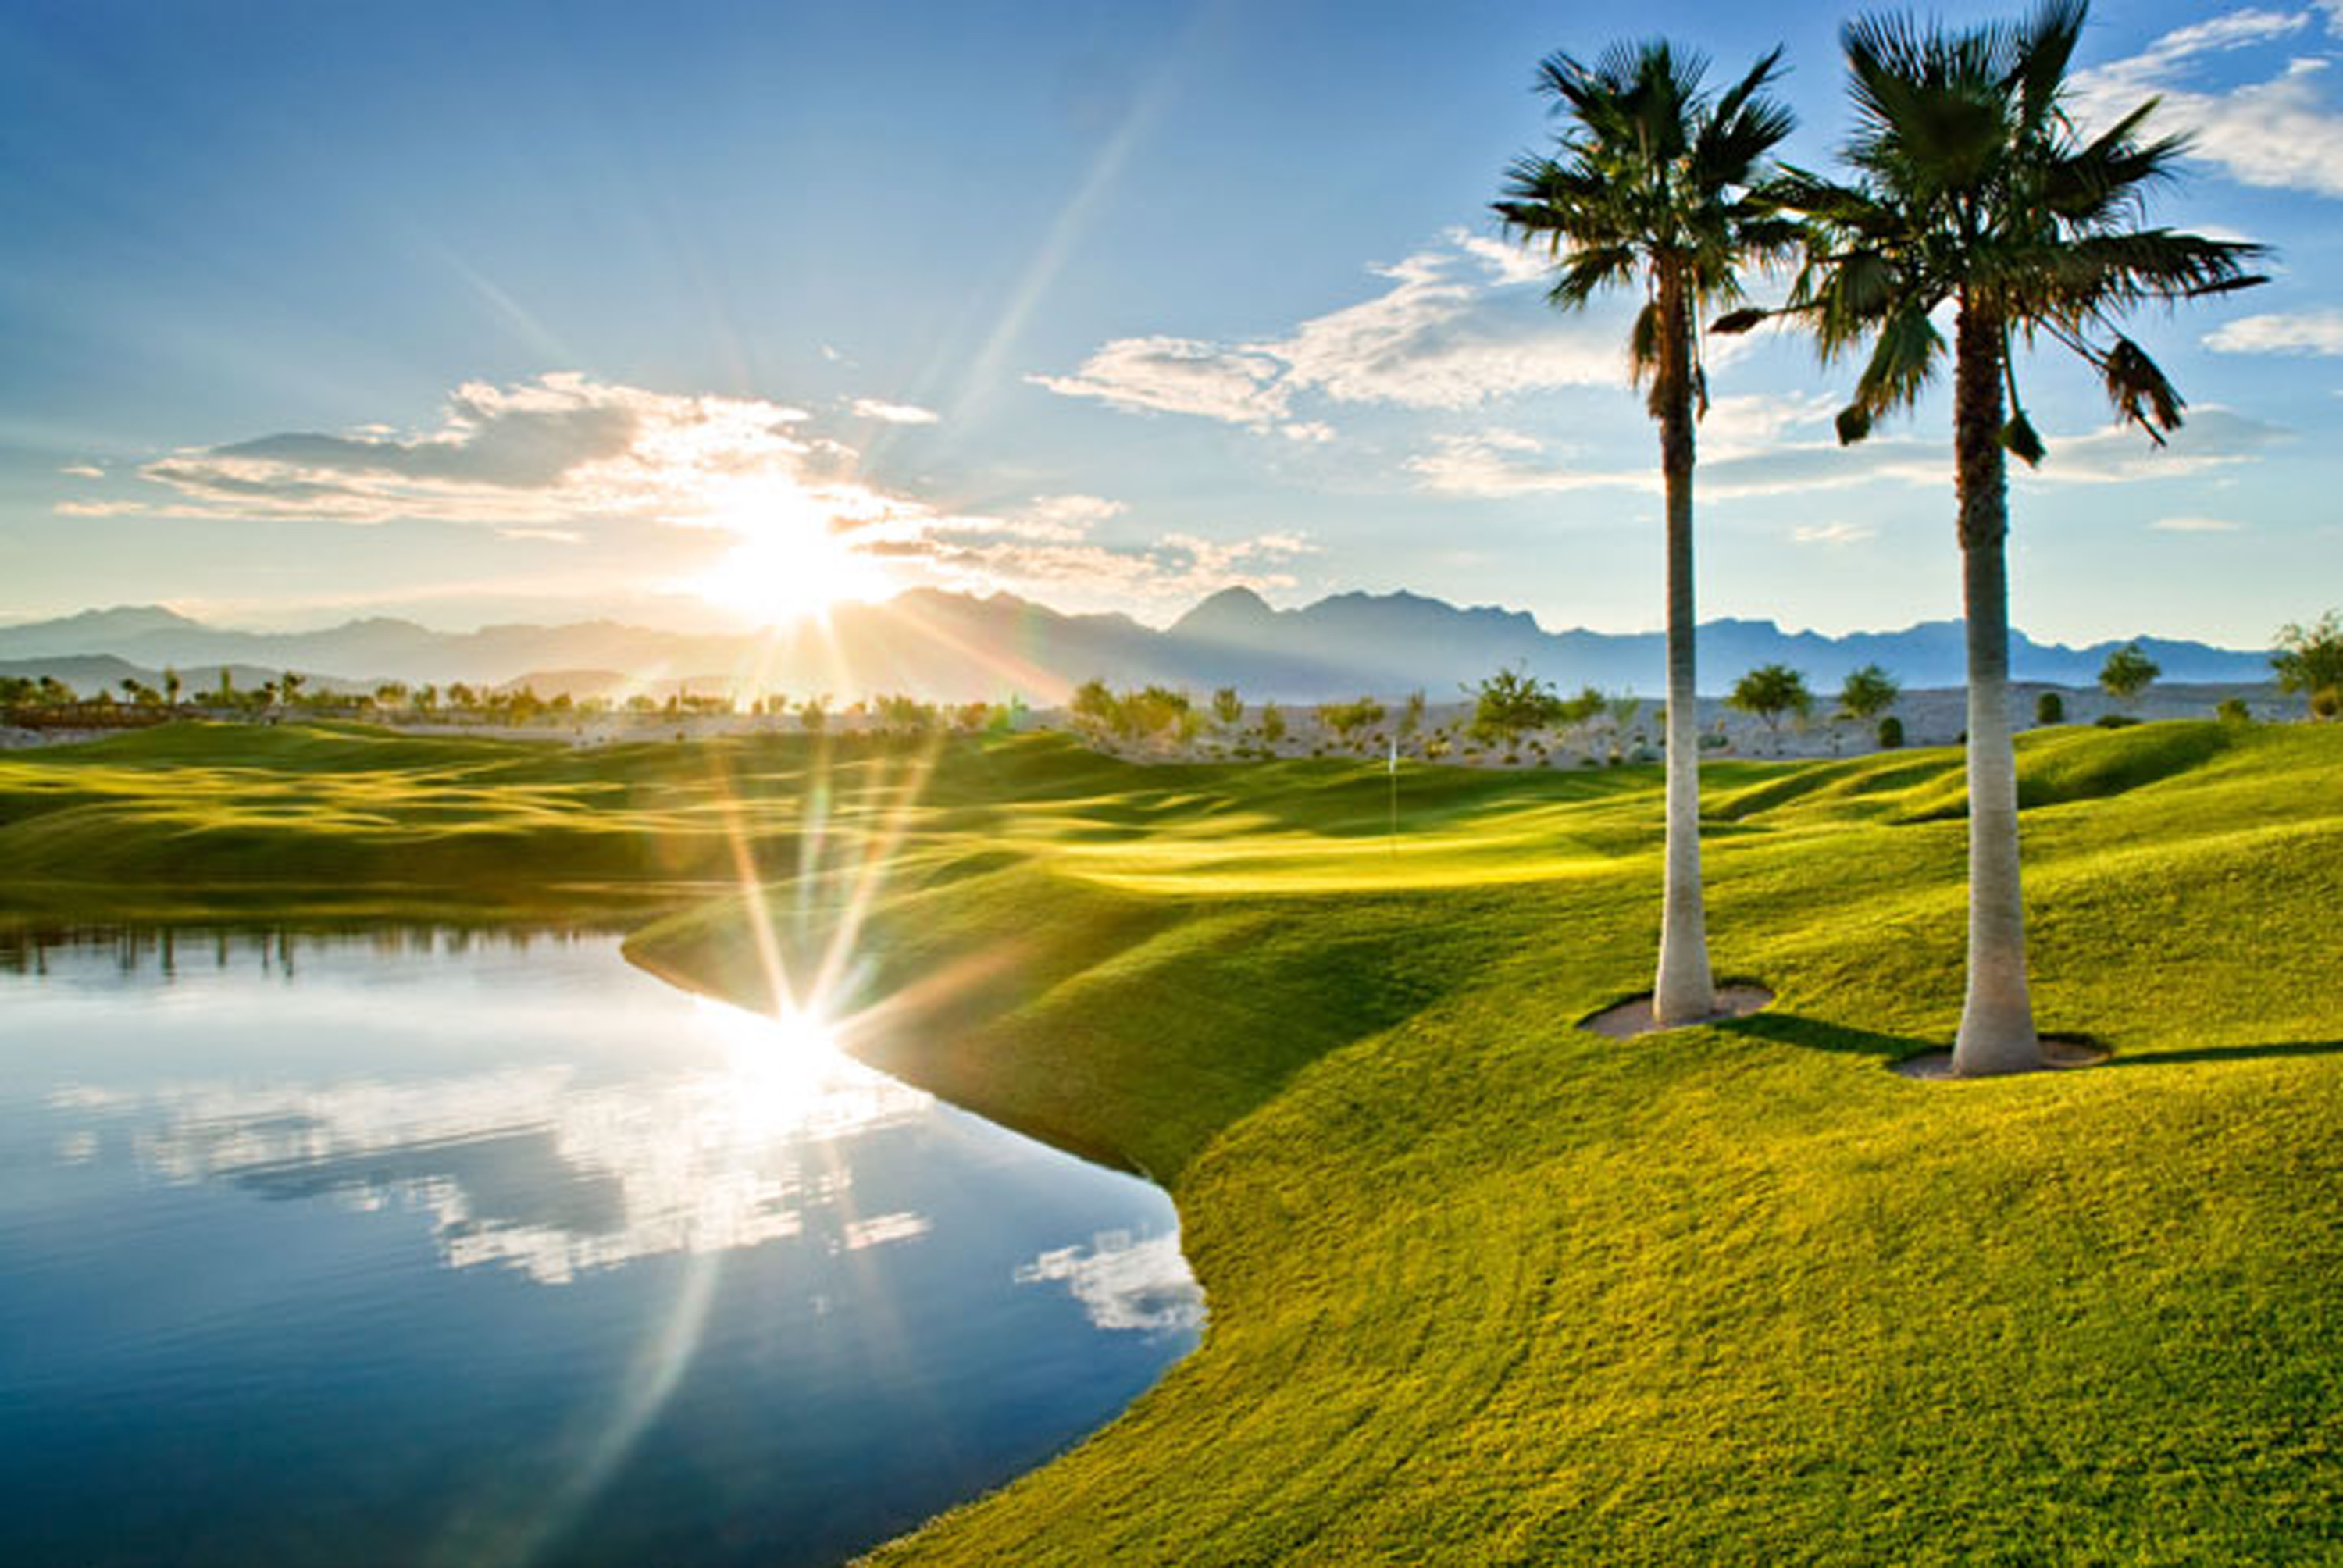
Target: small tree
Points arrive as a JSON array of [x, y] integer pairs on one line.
[[1272, 723], [2309, 660], [2049, 708], [1094, 707], [2128, 672], [1510, 703], [1228, 707], [1771, 691], [171, 686], [226, 693], [1891, 733], [2233, 710], [1411, 715], [1347, 718], [813, 714], [1155, 710], [1866, 693]]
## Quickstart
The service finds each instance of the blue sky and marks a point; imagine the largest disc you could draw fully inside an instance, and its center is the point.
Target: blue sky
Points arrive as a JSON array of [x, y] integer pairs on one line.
[[698, 313]]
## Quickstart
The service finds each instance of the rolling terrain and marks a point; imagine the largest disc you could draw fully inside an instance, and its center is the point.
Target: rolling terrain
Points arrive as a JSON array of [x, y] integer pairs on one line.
[[1482, 1283]]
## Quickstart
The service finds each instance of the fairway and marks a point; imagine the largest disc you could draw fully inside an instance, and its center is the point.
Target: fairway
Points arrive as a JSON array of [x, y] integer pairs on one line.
[[1484, 1284]]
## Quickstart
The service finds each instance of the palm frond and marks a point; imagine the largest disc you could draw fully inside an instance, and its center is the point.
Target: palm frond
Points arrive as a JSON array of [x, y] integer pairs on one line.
[[2045, 45], [1652, 180], [1971, 183], [1903, 356], [2137, 385]]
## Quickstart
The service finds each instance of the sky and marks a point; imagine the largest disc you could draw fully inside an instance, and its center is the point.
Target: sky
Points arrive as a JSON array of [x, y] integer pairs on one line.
[[702, 314]]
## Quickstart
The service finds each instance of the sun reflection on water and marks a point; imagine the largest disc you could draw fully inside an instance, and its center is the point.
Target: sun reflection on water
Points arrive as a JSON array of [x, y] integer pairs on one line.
[[538, 1169]]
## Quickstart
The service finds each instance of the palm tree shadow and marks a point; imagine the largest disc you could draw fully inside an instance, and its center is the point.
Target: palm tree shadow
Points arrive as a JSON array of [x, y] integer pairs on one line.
[[1819, 1034], [1816, 1034], [2274, 1050]]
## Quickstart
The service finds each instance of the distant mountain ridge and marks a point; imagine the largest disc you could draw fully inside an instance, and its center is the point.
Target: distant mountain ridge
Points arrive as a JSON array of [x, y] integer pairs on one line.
[[959, 648]]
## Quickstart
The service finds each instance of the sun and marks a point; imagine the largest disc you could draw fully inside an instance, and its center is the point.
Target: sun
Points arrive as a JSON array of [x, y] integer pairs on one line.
[[774, 579], [788, 562]]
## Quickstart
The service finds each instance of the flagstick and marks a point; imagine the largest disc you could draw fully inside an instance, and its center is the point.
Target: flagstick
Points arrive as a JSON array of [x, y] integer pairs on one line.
[[1394, 767]]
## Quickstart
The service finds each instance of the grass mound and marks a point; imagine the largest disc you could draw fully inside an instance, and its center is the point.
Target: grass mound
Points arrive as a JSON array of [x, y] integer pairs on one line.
[[1484, 1284]]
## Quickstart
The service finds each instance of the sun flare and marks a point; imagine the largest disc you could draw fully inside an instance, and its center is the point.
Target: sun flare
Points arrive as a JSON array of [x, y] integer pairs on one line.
[[777, 578], [789, 562]]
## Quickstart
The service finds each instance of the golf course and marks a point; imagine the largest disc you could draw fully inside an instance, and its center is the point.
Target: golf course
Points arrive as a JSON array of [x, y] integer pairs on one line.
[[1481, 1282]]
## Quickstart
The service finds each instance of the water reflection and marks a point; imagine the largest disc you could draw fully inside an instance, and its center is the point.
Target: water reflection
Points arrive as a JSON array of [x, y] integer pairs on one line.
[[530, 1168], [604, 1272], [1125, 1281]]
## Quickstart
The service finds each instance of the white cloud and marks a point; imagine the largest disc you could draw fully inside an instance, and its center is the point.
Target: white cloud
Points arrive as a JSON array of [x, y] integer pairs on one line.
[[2196, 525], [1505, 464], [1435, 341], [1179, 375], [894, 413], [2303, 332], [2284, 131], [1741, 427], [98, 509], [564, 457], [556, 450], [1124, 1282], [1834, 533], [83, 471], [1506, 262], [1307, 431], [1431, 339]]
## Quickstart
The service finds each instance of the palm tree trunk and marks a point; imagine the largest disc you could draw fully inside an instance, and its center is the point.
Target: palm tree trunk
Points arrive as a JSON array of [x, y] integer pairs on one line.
[[1996, 1032], [1683, 989]]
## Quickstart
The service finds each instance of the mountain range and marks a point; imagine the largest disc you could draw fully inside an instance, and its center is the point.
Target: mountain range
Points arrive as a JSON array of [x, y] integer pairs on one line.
[[959, 648]]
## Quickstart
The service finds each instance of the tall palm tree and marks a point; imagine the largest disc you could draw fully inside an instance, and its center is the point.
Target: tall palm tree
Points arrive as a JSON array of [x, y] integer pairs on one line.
[[1650, 188], [1974, 188]]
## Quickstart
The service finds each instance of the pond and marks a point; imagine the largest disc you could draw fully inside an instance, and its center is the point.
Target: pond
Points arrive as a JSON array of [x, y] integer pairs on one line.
[[428, 1247]]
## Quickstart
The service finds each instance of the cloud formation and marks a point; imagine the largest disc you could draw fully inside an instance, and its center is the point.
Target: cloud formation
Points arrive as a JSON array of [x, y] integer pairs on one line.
[[1451, 330], [1835, 533], [894, 413], [2282, 131], [1787, 449], [2196, 525], [560, 459], [2303, 332]]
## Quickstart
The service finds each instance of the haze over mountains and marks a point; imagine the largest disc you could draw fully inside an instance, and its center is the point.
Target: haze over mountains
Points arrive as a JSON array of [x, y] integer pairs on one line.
[[953, 646]]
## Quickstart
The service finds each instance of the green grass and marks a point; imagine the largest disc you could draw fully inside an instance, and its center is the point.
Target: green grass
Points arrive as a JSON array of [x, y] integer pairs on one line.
[[1483, 1286]]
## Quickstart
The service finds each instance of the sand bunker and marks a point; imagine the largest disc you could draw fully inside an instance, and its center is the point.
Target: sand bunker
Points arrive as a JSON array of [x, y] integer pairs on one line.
[[2058, 1052], [1629, 1019]]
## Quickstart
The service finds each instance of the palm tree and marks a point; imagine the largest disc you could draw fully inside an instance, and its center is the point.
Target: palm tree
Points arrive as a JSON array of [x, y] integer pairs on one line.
[[1651, 189], [1974, 188]]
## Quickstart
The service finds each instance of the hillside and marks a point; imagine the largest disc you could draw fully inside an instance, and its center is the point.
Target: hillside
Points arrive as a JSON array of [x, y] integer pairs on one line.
[[1481, 1281]]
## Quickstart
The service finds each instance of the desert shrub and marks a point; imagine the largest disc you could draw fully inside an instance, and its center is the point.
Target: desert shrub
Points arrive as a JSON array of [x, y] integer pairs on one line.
[[1771, 691], [2127, 673], [1510, 703], [2233, 710], [2114, 720], [2310, 660], [2049, 708], [1891, 733]]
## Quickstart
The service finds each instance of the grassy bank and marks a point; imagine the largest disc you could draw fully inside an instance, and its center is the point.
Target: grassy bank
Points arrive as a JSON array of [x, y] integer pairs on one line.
[[1484, 1284]]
